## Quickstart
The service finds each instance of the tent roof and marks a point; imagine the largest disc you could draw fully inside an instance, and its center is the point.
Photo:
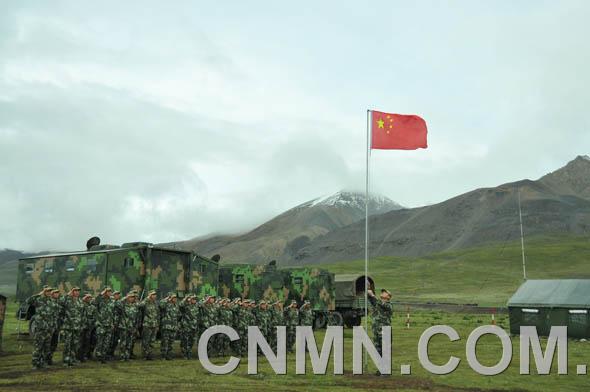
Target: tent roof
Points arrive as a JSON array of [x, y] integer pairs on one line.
[[567, 293]]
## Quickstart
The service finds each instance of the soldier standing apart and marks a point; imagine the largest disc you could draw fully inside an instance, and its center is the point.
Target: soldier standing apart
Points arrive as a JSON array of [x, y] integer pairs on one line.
[[306, 315], [117, 314], [169, 325], [382, 312], [87, 338], [189, 320], [151, 321], [41, 326], [291, 321], [104, 324], [73, 309], [127, 326], [56, 321]]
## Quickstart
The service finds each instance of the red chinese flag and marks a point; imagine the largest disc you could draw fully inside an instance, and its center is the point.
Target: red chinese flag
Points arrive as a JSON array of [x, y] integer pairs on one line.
[[397, 131]]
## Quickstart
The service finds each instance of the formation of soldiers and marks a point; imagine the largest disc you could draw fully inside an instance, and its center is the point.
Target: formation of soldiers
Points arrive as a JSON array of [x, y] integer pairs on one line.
[[96, 327]]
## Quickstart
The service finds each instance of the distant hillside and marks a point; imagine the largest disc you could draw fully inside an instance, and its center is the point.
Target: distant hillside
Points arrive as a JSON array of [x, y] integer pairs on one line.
[[284, 236], [558, 203], [9, 267]]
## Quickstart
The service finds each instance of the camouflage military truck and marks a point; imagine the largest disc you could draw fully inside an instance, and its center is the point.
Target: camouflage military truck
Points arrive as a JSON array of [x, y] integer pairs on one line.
[[269, 283], [138, 265], [350, 298], [2, 314]]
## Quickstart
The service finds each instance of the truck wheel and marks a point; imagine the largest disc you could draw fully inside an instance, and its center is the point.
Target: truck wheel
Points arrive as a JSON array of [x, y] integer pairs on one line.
[[335, 318], [320, 320]]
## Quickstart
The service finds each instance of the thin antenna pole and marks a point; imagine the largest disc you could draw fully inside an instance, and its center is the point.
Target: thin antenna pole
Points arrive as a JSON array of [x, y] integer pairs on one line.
[[521, 237], [367, 227]]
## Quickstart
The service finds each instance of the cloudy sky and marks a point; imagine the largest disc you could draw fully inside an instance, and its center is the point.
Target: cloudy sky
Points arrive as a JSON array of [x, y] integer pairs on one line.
[[152, 121]]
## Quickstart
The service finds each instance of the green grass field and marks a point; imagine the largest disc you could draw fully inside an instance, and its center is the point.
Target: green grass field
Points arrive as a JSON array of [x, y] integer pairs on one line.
[[486, 275], [183, 375]]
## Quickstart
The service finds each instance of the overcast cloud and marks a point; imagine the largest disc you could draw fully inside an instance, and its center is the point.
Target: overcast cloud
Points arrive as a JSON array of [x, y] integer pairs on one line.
[[163, 121]]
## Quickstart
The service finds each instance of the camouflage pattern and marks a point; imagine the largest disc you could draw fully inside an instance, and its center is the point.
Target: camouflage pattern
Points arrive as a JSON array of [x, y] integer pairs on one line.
[[141, 267], [276, 319], [243, 319], [208, 319], [381, 314], [291, 322], [265, 282], [73, 309], [151, 320], [56, 317], [42, 329], [127, 328], [104, 326], [2, 314], [306, 316], [189, 323], [117, 316], [224, 317], [88, 335], [263, 321], [169, 315]]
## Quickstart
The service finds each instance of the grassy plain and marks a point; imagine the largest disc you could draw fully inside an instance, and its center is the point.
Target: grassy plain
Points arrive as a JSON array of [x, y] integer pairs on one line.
[[486, 275]]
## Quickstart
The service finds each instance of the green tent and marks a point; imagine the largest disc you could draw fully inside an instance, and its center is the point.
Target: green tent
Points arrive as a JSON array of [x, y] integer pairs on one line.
[[552, 302]]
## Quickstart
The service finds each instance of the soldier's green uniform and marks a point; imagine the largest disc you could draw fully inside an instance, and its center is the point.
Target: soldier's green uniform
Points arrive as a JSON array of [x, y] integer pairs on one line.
[[243, 318], [208, 319], [88, 335], [72, 325], [225, 317], [41, 327], [263, 320], [56, 312], [117, 315], [382, 312], [104, 325], [276, 319], [306, 315], [189, 322], [169, 325], [127, 326], [151, 322], [291, 322]]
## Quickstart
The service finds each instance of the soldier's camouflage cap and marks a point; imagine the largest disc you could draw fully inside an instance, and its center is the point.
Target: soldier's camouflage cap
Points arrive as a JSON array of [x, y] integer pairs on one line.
[[47, 288], [237, 299], [293, 301], [384, 291], [306, 301], [171, 295], [75, 288], [153, 292], [54, 291], [116, 292], [87, 296]]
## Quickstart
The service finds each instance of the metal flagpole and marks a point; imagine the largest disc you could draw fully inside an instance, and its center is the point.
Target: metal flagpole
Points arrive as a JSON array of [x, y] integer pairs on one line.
[[367, 225]]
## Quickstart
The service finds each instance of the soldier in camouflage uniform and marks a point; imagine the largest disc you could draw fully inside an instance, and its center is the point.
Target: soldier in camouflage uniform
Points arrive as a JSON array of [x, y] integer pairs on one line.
[[72, 325], [235, 307], [128, 325], [263, 320], [382, 312], [306, 315], [41, 326], [88, 335], [225, 318], [189, 321], [104, 324], [291, 322], [151, 322], [209, 319], [168, 325], [117, 314], [56, 320], [242, 319], [276, 320]]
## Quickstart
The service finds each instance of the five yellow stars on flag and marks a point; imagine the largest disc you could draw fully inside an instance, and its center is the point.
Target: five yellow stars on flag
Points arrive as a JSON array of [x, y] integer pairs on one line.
[[381, 123]]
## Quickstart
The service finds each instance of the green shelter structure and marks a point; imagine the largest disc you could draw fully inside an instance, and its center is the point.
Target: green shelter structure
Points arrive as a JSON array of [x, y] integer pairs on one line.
[[552, 302]]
